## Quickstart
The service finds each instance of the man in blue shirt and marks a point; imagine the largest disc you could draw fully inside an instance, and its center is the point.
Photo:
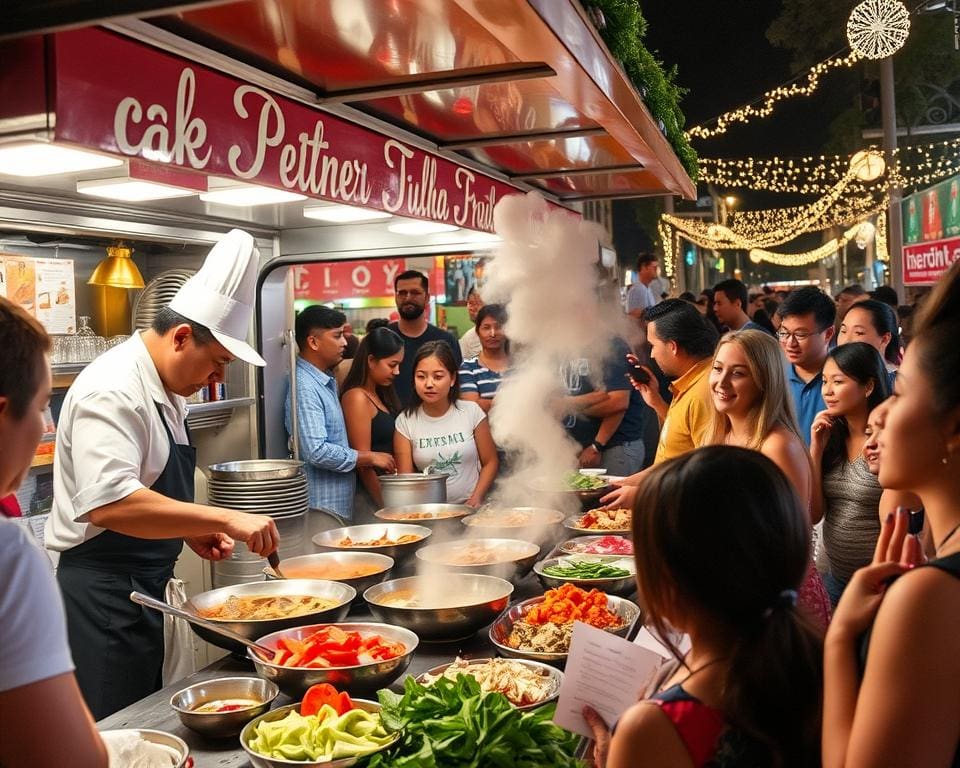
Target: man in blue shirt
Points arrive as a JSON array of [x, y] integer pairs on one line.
[[806, 327], [329, 460], [730, 302]]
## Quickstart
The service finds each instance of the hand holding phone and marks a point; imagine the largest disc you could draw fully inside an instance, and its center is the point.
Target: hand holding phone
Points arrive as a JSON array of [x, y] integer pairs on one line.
[[636, 372]]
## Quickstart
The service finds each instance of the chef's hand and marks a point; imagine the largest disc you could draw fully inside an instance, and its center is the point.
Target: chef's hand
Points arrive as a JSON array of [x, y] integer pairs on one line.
[[601, 736], [590, 457], [620, 498], [259, 532], [213, 546]]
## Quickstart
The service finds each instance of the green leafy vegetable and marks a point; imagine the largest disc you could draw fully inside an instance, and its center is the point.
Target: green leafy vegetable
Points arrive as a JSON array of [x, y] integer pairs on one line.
[[583, 569], [453, 724], [579, 482]]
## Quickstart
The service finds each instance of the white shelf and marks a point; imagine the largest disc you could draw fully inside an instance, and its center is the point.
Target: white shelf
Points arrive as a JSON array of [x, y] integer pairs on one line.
[[216, 414]]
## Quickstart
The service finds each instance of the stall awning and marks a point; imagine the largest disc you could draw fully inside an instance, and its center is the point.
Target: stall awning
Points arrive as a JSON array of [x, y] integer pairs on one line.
[[524, 88]]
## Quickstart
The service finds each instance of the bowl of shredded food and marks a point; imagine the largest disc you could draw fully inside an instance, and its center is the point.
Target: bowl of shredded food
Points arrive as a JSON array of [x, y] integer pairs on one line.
[[396, 540], [611, 521], [540, 628], [526, 684], [259, 608]]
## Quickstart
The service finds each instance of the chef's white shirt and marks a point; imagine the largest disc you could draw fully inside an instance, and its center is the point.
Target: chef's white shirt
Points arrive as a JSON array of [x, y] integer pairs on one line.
[[110, 439]]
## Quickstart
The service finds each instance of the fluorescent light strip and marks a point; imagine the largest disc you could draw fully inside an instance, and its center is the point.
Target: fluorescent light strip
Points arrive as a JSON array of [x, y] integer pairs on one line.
[[131, 190], [420, 227], [37, 158], [246, 195], [343, 214]]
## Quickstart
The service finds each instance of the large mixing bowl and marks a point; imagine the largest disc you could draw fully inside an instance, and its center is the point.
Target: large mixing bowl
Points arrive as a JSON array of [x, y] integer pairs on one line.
[[171, 742], [330, 540], [616, 585], [261, 761], [341, 594], [326, 565], [364, 678], [501, 628], [219, 725], [439, 517], [455, 607], [509, 559], [537, 524], [256, 470]]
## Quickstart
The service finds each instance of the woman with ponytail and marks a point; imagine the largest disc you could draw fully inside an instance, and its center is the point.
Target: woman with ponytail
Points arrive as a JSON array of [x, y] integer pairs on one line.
[[726, 572]]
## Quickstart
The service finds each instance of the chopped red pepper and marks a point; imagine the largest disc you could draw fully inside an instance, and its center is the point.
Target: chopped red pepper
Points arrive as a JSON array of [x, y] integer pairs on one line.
[[325, 694], [332, 646]]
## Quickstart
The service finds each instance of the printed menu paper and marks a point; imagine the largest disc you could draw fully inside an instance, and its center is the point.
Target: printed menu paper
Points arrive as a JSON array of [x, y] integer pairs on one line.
[[43, 287], [605, 671]]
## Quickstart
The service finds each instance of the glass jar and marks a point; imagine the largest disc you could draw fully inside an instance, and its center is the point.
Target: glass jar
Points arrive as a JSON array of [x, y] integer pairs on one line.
[[86, 341]]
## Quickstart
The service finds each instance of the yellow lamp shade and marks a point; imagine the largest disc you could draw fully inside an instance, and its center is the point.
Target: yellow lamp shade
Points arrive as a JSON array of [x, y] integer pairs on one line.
[[117, 270]]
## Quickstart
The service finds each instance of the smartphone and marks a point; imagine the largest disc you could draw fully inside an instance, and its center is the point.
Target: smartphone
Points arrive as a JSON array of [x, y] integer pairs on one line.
[[636, 372]]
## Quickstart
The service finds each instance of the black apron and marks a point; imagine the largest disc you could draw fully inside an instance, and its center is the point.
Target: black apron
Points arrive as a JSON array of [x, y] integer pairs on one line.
[[117, 645]]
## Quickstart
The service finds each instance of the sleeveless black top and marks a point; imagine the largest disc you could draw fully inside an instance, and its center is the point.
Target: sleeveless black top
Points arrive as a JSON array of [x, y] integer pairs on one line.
[[381, 432]]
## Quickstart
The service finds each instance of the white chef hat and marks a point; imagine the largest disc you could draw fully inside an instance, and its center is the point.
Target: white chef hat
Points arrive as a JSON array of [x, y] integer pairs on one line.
[[221, 295]]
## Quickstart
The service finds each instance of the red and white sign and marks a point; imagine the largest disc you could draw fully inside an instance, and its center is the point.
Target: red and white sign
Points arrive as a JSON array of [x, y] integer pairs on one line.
[[341, 279], [925, 263], [126, 98]]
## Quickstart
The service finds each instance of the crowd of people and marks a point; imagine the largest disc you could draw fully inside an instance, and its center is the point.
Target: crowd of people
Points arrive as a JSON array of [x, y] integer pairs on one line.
[[735, 442]]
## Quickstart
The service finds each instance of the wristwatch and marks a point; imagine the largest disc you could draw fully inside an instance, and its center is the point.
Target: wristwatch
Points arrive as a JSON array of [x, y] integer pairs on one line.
[[599, 446]]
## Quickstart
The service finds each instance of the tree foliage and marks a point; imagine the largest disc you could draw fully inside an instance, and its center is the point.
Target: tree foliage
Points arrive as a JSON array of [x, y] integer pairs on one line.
[[622, 29]]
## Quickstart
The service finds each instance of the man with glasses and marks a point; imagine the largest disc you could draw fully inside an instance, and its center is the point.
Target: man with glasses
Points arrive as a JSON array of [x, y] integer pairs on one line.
[[412, 292], [806, 327]]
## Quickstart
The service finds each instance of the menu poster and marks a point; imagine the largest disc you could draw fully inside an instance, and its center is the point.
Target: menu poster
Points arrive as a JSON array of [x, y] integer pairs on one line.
[[43, 287]]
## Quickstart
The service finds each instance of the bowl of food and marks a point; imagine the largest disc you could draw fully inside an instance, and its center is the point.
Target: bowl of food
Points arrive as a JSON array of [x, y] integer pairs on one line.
[[357, 569], [592, 472], [285, 737], [451, 608], [506, 558], [536, 524], [601, 520], [358, 657], [396, 540], [598, 545], [586, 488], [262, 607], [540, 628], [526, 684], [444, 517], [612, 574], [143, 746], [220, 708]]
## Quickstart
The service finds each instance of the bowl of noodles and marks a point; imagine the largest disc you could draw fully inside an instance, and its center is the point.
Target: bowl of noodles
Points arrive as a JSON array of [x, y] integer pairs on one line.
[[509, 559]]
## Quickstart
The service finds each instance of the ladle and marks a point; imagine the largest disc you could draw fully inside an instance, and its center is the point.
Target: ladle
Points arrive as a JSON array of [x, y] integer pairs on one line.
[[159, 605]]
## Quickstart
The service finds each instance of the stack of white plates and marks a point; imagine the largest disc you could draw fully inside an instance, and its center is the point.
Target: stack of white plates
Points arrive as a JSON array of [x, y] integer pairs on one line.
[[157, 294], [277, 498]]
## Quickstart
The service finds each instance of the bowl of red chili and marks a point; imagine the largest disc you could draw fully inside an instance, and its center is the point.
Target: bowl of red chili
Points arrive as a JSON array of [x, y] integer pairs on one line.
[[357, 657]]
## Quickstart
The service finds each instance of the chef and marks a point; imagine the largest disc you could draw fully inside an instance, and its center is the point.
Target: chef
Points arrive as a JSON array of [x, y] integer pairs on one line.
[[123, 477]]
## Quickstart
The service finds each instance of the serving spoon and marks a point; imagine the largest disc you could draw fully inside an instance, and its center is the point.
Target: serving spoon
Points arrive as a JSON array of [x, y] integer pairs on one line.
[[158, 605], [273, 559]]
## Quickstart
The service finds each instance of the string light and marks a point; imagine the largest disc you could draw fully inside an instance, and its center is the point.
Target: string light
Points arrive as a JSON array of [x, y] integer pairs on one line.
[[765, 105]]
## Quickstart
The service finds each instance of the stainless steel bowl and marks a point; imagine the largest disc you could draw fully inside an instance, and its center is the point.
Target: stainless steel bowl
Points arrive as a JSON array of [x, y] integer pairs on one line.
[[500, 630], [619, 585], [291, 566], [252, 629], [261, 761], [439, 517], [364, 678], [414, 488], [541, 526], [160, 737], [554, 675], [572, 523], [256, 469], [463, 603], [555, 487], [222, 724], [513, 558], [574, 546], [330, 540]]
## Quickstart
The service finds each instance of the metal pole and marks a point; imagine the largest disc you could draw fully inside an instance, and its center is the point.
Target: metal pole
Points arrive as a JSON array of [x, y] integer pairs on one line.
[[290, 341], [895, 229]]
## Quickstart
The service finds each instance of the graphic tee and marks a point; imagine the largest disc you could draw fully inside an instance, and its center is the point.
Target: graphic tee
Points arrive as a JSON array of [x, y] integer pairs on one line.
[[446, 444]]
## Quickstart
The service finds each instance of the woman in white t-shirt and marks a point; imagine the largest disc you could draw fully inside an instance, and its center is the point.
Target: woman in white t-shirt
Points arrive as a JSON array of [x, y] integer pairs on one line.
[[444, 434]]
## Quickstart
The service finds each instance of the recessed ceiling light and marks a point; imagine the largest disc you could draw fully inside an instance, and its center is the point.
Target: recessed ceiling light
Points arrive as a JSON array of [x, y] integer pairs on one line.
[[39, 158], [420, 227], [131, 190], [246, 195], [343, 214]]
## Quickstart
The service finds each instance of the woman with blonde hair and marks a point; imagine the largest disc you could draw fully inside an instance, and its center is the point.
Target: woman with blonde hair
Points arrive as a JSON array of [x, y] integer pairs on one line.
[[753, 409]]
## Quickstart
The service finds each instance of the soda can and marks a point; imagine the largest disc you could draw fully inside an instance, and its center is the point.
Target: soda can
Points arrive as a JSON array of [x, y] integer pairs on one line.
[[217, 391]]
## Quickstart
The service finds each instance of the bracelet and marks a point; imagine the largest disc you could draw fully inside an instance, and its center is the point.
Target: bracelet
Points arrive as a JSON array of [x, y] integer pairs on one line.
[[599, 446]]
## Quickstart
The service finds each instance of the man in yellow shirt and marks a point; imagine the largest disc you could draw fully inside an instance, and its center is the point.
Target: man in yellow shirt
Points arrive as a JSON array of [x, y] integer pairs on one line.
[[682, 343]]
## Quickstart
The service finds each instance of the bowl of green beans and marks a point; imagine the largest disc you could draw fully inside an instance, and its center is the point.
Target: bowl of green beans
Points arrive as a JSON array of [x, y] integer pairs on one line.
[[613, 574]]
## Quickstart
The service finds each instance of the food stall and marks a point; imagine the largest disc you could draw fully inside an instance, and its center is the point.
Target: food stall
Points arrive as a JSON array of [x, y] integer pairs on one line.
[[348, 138]]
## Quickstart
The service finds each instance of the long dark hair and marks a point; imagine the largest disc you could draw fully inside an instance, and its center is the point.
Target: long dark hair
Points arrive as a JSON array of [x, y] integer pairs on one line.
[[739, 561], [937, 331], [379, 344], [440, 350], [863, 364]]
